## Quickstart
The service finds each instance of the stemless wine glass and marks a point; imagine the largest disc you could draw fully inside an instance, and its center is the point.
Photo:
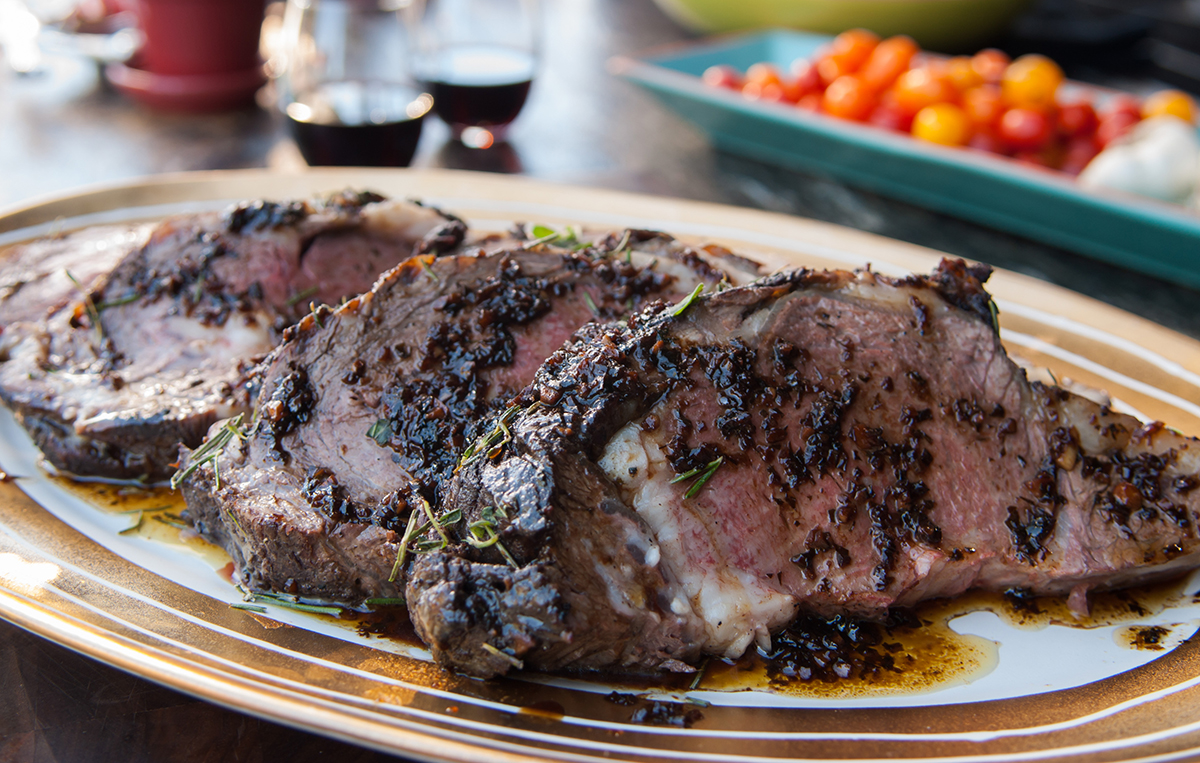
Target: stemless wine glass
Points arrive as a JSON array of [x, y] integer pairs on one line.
[[346, 88], [477, 58]]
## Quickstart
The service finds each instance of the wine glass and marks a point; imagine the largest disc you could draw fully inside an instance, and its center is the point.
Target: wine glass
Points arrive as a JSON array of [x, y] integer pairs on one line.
[[346, 87], [477, 59]]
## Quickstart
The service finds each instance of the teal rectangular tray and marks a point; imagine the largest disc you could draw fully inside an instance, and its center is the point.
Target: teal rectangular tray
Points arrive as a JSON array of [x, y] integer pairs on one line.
[[1144, 235]]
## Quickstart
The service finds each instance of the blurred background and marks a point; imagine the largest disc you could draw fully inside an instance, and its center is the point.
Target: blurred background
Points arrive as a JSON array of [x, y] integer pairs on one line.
[[76, 109]]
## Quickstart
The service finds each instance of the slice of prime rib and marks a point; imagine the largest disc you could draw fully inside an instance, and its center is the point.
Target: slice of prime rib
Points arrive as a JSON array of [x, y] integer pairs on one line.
[[365, 410], [817, 442], [118, 344]]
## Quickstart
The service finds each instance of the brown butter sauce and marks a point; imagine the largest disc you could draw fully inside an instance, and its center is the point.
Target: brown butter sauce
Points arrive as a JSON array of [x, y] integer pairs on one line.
[[925, 653]]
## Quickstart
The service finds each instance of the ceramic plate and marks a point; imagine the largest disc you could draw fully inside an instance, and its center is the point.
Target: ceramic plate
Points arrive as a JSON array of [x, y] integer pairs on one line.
[[161, 608], [1142, 234]]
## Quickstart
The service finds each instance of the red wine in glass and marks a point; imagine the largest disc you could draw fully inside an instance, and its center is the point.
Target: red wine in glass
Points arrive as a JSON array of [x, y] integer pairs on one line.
[[478, 85], [357, 124]]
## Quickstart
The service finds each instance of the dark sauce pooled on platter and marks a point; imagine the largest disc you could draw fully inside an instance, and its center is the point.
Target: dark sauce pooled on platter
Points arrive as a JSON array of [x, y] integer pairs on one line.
[[839, 658]]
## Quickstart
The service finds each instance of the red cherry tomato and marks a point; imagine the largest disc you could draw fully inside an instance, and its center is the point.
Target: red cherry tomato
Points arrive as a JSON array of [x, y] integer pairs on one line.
[[806, 78], [990, 64], [1077, 118], [1025, 129], [1123, 104], [723, 76], [985, 140], [1080, 151], [889, 116], [1115, 124], [847, 97]]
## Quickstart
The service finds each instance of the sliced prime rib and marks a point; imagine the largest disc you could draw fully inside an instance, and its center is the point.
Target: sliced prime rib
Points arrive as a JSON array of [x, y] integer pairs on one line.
[[817, 442], [117, 345], [365, 410]]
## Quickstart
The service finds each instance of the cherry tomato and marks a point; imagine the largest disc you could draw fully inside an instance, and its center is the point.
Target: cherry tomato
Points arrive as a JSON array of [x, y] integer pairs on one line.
[[962, 74], [1076, 118], [984, 106], [782, 92], [889, 116], [763, 74], [1025, 129], [889, 60], [1080, 151], [986, 140], [846, 54], [1031, 82], [1113, 125], [1174, 102], [723, 76], [811, 102], [942, 123], [1123, 104], [990, 64], [847, 97], [854, 47], [921, 87], [805, 77]]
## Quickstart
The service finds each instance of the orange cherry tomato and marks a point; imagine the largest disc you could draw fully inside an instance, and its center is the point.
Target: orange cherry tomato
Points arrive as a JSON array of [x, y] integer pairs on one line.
[[1025, 129], [962, 74], [942, 123], [854, 47], [990, 64], [887, 61], [723, 76], [1173, 102], [983, 105], [847, 97], [830, 68], [921, 87], [763, 74], [811, 102], [1031, 82]]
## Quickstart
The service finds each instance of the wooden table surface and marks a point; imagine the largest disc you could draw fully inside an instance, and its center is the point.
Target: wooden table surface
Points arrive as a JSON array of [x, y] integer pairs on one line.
[[65, 129]]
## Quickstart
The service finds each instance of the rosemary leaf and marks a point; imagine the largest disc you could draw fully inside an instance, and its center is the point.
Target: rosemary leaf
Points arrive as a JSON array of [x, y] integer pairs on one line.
[[300, 296], [694, 490], [699, 675], [428, 270], [410, 530], [249, 607], [381, 431], [318, 609], [133, 527], [687, 301], [591, 304], [429, 515], [385, 601], [90, 307], [118, 302]]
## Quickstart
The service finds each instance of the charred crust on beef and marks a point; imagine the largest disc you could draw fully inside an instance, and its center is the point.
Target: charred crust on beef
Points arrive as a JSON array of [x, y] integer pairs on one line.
[[289, 406]]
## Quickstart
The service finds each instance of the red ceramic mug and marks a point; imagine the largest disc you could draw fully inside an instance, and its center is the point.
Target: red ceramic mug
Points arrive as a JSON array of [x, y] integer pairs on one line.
[[199, 36]]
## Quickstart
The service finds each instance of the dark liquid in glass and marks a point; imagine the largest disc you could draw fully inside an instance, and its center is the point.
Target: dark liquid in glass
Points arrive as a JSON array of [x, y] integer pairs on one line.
[[477, 85], [352, 124], [478, 105]]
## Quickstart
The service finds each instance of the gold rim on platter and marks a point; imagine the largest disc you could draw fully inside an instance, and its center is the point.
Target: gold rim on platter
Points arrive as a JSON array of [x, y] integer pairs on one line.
[[74, 584]]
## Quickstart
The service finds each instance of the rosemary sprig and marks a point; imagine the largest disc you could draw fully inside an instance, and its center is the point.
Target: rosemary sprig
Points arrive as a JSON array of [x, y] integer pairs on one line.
[[118, 302], [249, 607], [687, 301], [316, 314], [488, 442], [591, 303], [135, 526], [516, 663], [995, 311], [428, 270], [90, 306], [300, 296], [482, 534], [699, 675], [410, 531], [210, 450], [167, 518], [433, 521], [384, 601], [702, 474], [623, 244], [273, 598]]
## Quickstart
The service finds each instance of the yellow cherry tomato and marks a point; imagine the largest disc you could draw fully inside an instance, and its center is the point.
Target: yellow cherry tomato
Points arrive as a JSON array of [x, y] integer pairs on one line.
[[1031, 82], [942, 123], [1173, 102], [962, 74]]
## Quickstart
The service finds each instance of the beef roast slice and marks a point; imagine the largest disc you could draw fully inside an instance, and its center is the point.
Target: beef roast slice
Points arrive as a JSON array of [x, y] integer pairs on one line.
[[366, 409], [184, 310], [821, 442]]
